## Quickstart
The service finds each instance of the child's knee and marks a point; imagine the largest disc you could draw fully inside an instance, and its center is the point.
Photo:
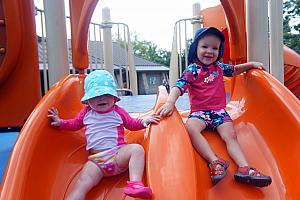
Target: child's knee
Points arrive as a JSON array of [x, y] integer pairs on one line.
[[86, 180], [192, 130], [230, 136], [137, 148]]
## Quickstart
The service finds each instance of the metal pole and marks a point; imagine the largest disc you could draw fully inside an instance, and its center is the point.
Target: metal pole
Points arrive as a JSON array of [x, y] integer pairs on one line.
[[46, 81], [55, 20], [90, 53], [257, 31], [126, 52], [95, 47], [101, 49], [180, 57], [185, 47], [276, 40], [132, 70], [196, 14], [173, 73], [119, 59], [107, 41]]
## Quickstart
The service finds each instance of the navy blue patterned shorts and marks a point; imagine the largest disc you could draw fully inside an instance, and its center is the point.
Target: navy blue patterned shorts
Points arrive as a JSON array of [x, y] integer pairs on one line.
[[212, 118]]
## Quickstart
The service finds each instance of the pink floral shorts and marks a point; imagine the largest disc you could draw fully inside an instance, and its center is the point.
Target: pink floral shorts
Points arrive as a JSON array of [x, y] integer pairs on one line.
[[106, 161]]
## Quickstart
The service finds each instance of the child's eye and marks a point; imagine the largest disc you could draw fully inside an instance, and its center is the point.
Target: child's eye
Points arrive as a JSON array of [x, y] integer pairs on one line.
[[204, 46], [215, 48]]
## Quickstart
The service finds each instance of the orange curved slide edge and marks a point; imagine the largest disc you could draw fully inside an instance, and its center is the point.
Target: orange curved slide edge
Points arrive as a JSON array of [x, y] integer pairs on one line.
[[292, 70], [45, 161], [81, 12], [19, 69]]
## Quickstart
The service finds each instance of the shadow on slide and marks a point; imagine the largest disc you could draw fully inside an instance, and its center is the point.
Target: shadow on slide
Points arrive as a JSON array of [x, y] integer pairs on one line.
[[45, 161]]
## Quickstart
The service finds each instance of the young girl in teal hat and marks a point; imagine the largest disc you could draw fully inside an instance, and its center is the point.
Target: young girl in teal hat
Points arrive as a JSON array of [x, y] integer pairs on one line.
[[104, 122], [204, 80]]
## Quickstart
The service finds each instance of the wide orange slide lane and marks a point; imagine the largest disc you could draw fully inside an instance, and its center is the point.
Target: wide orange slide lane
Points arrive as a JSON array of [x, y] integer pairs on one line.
[[45, 161]]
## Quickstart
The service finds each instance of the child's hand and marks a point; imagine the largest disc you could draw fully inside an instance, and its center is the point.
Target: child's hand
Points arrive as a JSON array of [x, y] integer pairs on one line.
[[240, 68], [166, 109], [150, 119], [257, 65], [53, 115]]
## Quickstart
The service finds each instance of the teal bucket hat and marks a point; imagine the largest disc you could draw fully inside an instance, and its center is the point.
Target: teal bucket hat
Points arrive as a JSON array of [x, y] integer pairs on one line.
[[97, 83]]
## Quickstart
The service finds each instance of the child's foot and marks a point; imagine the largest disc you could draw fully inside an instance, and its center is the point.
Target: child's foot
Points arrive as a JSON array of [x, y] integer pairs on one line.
[[218, 170], [138, 190], [250, 175]]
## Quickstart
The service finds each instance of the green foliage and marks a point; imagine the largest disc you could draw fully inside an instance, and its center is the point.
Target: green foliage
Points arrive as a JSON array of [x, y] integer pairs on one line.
[[291, 37], [291, 24], [149, 51]]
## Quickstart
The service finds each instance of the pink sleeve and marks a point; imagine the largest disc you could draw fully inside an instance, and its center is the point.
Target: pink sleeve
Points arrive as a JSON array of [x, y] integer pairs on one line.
[[76, 123], [130, 123]]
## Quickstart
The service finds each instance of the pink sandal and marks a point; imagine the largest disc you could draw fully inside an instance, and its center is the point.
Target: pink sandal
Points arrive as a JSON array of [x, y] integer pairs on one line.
[[218, 170], [250, 175], [138, 190]]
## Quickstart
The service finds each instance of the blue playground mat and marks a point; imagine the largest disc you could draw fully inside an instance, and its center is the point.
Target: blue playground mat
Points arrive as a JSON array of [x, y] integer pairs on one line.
[[7, 142]]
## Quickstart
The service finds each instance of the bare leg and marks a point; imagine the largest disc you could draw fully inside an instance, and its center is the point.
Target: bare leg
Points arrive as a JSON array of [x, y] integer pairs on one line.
[[195, 126], [132, 156], [228, 134], [89, 176]]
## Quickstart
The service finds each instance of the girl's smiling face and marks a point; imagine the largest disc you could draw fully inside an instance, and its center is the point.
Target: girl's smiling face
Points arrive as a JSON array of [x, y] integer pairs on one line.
[[208, 49], [102, 103]]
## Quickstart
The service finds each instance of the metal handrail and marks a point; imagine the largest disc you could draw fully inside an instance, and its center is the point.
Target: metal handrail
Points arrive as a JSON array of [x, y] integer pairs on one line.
[[95, 32]]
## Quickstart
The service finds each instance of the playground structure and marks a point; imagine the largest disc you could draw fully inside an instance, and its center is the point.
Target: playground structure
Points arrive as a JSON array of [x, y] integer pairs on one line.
[[237, 33], [45, 162]]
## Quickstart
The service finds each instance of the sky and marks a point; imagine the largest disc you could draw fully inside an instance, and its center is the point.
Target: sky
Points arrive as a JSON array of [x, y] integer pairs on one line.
[[151, 20]]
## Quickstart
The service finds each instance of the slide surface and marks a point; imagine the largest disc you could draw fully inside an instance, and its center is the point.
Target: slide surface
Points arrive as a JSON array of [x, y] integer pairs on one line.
[[292, 71], [19, 69], [45, 161], [267, 122]]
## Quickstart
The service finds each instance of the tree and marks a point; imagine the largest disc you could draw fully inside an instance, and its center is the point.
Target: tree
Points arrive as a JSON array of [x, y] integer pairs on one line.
[[149, 51], [291, 24], [291, 37]]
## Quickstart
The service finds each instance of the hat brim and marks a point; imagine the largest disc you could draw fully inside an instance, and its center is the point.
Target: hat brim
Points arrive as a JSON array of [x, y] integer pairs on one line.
[[102, 91], [214, 31]]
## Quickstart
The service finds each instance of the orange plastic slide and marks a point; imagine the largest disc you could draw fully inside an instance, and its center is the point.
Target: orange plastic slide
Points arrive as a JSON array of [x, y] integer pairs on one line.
[[292, 70], [19, 67], [45, 161]]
